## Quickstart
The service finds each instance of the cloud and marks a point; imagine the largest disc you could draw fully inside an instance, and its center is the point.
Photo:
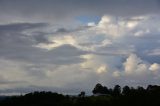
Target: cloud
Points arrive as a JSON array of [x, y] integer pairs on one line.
[[154, 67], [102, 69], [58, 41], [142, 33], [135, 65], [116, 74], [132, 64], [56, 11], [116, 26], [25, 42], [47, 46], [136, 72], [154, 52], [81, 54]]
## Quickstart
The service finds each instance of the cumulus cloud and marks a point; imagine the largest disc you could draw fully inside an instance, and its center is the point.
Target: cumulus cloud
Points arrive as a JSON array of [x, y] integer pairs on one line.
[[155, 67], [136, 72], [115, 27], [118, 26], [132, 64]]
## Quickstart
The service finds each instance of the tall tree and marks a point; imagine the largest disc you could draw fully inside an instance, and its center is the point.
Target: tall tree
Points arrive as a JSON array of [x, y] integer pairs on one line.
[[126, 90], [117, 90]]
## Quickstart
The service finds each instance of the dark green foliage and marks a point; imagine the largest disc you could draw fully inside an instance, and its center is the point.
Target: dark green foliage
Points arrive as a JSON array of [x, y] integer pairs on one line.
[[129, 96]]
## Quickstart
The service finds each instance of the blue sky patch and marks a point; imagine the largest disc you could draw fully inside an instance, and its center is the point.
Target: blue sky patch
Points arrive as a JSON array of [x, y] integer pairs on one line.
[[87, 19]]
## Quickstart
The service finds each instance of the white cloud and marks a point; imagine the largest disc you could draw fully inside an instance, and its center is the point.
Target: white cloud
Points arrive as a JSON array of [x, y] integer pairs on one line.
[[131, 64], [117, 26], [57, 41], [91, 24], [92, 63], [154, 67], [131, 24], [109, 26], [136, 66], [102, 69], [142, 33]]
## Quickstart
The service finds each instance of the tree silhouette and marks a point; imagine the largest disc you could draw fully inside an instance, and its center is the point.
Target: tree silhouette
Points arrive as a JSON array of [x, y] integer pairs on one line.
[[126, 90], [99, 89], [82, 94], [129, 96], [117, 90]]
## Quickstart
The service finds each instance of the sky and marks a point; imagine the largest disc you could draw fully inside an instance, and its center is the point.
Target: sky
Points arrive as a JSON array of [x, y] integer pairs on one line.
[[69, 46]]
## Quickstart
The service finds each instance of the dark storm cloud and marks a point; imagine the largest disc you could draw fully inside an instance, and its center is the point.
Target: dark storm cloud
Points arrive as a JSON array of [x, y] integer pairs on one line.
[[62, 6], [59, 56], [20, 26], [56, 10], [16, 45], [62, 31], [67, 50], [10, 33]]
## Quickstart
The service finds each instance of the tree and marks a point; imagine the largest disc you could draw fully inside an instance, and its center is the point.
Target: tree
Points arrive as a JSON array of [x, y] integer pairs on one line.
[[82, 94], [117, 90], [140, 89], [97, 89], [126, 90], [100, 89]]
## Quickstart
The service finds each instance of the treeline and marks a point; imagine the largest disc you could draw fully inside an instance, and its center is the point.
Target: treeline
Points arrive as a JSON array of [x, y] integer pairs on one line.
[[102, 96]]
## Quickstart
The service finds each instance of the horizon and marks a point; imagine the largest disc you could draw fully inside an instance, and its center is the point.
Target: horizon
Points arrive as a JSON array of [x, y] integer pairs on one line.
[[71, 45]]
